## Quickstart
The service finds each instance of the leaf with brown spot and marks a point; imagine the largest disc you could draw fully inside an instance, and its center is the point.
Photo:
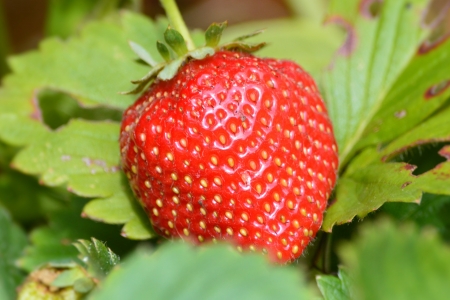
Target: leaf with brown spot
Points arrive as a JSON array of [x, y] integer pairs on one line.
[[419, 92], [384, 98], [365, 190], [92, 67], [358, 83], [85, 156], [436, 129]]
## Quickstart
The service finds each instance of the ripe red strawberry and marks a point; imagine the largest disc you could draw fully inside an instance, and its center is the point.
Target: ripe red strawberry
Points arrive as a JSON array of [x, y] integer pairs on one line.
[[229, 147], [233, 147]]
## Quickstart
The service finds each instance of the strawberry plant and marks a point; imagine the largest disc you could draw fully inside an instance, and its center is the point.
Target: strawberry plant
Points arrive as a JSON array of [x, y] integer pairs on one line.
[[315, 167]]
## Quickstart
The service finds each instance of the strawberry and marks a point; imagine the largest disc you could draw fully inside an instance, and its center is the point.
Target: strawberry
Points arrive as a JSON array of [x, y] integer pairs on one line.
[[233, 147]]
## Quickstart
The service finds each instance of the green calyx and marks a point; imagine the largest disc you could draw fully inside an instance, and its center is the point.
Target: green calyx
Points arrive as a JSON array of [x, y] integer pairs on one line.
[[175, 52]]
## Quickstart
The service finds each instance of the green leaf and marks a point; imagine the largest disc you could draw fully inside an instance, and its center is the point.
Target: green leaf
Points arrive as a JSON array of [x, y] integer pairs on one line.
[[13, 240], [142, 53], [368, 188], [144, 31], [412, 99], [435, 129], [335, 288], [58, 108], [377, 51], [74, 13], [90, 81], [185, 273], [113, 210], [19, 192], [214, 33], [20, 130], [53, 242], [68, 277], [243, 46], [393, 82], [85, 156], [83, 285], [169, 71], [99, 63], [308, 42], [201, 53], [100, 260], [176, 41], [138, 227], [368, 183], [144, 81], [80, 149], [163, 51], [314, 10], [388, 262]]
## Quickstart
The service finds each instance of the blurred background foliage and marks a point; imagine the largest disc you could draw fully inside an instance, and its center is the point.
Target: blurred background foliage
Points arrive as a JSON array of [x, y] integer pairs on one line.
[[23, 23]]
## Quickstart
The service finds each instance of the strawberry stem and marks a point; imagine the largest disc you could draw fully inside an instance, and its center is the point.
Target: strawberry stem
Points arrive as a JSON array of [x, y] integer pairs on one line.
[[177, 22]]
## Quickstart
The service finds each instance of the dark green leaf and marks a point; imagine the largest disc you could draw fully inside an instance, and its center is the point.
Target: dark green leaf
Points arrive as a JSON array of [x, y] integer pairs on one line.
[[163, 50], [58, 108], [215, 272], [12, 242], [242, 46], [53, 242], [437, 180], [387, 262], [99, 259], [19, 192], [335, 288], [176, 41], [214, 33], [433, 211]]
